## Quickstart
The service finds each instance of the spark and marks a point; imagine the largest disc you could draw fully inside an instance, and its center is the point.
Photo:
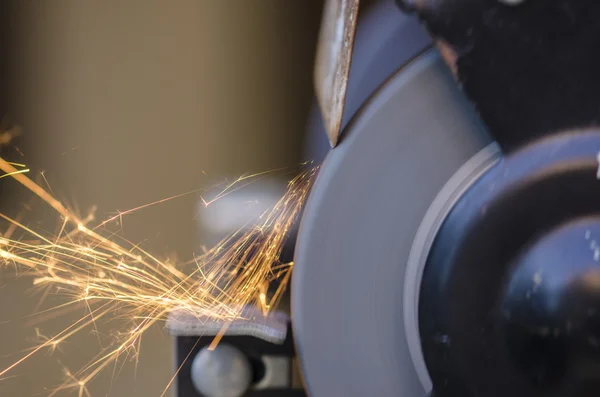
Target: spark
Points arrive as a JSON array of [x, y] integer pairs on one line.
[[15, 171], [16, 164], [120, 214], [179, 368], [237, 185], [116, 279]]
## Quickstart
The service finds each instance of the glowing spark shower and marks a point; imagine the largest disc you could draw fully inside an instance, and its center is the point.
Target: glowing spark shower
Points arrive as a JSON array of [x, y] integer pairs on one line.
[[114, 278]]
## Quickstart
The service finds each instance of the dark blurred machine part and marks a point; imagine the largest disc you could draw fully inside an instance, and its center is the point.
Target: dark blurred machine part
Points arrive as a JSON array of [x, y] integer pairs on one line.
[[6, 72], [6, 51], [451, 243], [9, 131]]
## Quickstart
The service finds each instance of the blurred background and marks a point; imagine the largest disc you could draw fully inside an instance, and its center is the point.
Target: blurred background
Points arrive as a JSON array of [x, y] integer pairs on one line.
[[125, 102]]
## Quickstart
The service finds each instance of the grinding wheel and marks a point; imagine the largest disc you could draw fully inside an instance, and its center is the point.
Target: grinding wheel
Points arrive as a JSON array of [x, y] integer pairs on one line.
[[360, 224], [439, 257]]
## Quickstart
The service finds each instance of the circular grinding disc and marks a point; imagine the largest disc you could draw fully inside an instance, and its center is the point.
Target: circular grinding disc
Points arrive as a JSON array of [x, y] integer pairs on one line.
[[359, 225]]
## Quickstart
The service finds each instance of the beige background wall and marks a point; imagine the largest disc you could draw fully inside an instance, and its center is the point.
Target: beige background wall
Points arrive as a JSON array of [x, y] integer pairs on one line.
[[124, 102]]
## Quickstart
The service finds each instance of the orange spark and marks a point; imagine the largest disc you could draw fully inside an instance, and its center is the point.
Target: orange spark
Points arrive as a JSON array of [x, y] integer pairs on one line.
[[116, 279]]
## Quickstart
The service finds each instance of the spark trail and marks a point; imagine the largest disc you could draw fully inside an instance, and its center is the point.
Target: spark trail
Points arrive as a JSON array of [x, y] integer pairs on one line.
[[114, 278]]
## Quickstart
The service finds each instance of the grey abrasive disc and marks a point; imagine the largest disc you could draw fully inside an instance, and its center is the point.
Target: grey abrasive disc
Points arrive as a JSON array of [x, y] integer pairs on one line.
[[359, 225]]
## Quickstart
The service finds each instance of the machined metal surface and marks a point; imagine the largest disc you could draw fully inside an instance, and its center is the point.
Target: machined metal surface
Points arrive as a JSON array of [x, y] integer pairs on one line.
[[334, 54], [358, 229]]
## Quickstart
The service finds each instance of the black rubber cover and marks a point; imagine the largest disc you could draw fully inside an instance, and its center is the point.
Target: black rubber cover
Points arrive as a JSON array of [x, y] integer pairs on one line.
[[510, 297], [530, 68]]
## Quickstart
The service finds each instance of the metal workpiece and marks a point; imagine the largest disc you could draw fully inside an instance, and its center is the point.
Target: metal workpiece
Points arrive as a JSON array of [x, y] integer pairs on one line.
[[332, 67], [250, 322], [357, 52], [385, 40]]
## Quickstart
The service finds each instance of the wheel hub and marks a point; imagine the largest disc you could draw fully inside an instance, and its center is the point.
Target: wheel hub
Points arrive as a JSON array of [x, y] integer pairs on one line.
[[510, 278]]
